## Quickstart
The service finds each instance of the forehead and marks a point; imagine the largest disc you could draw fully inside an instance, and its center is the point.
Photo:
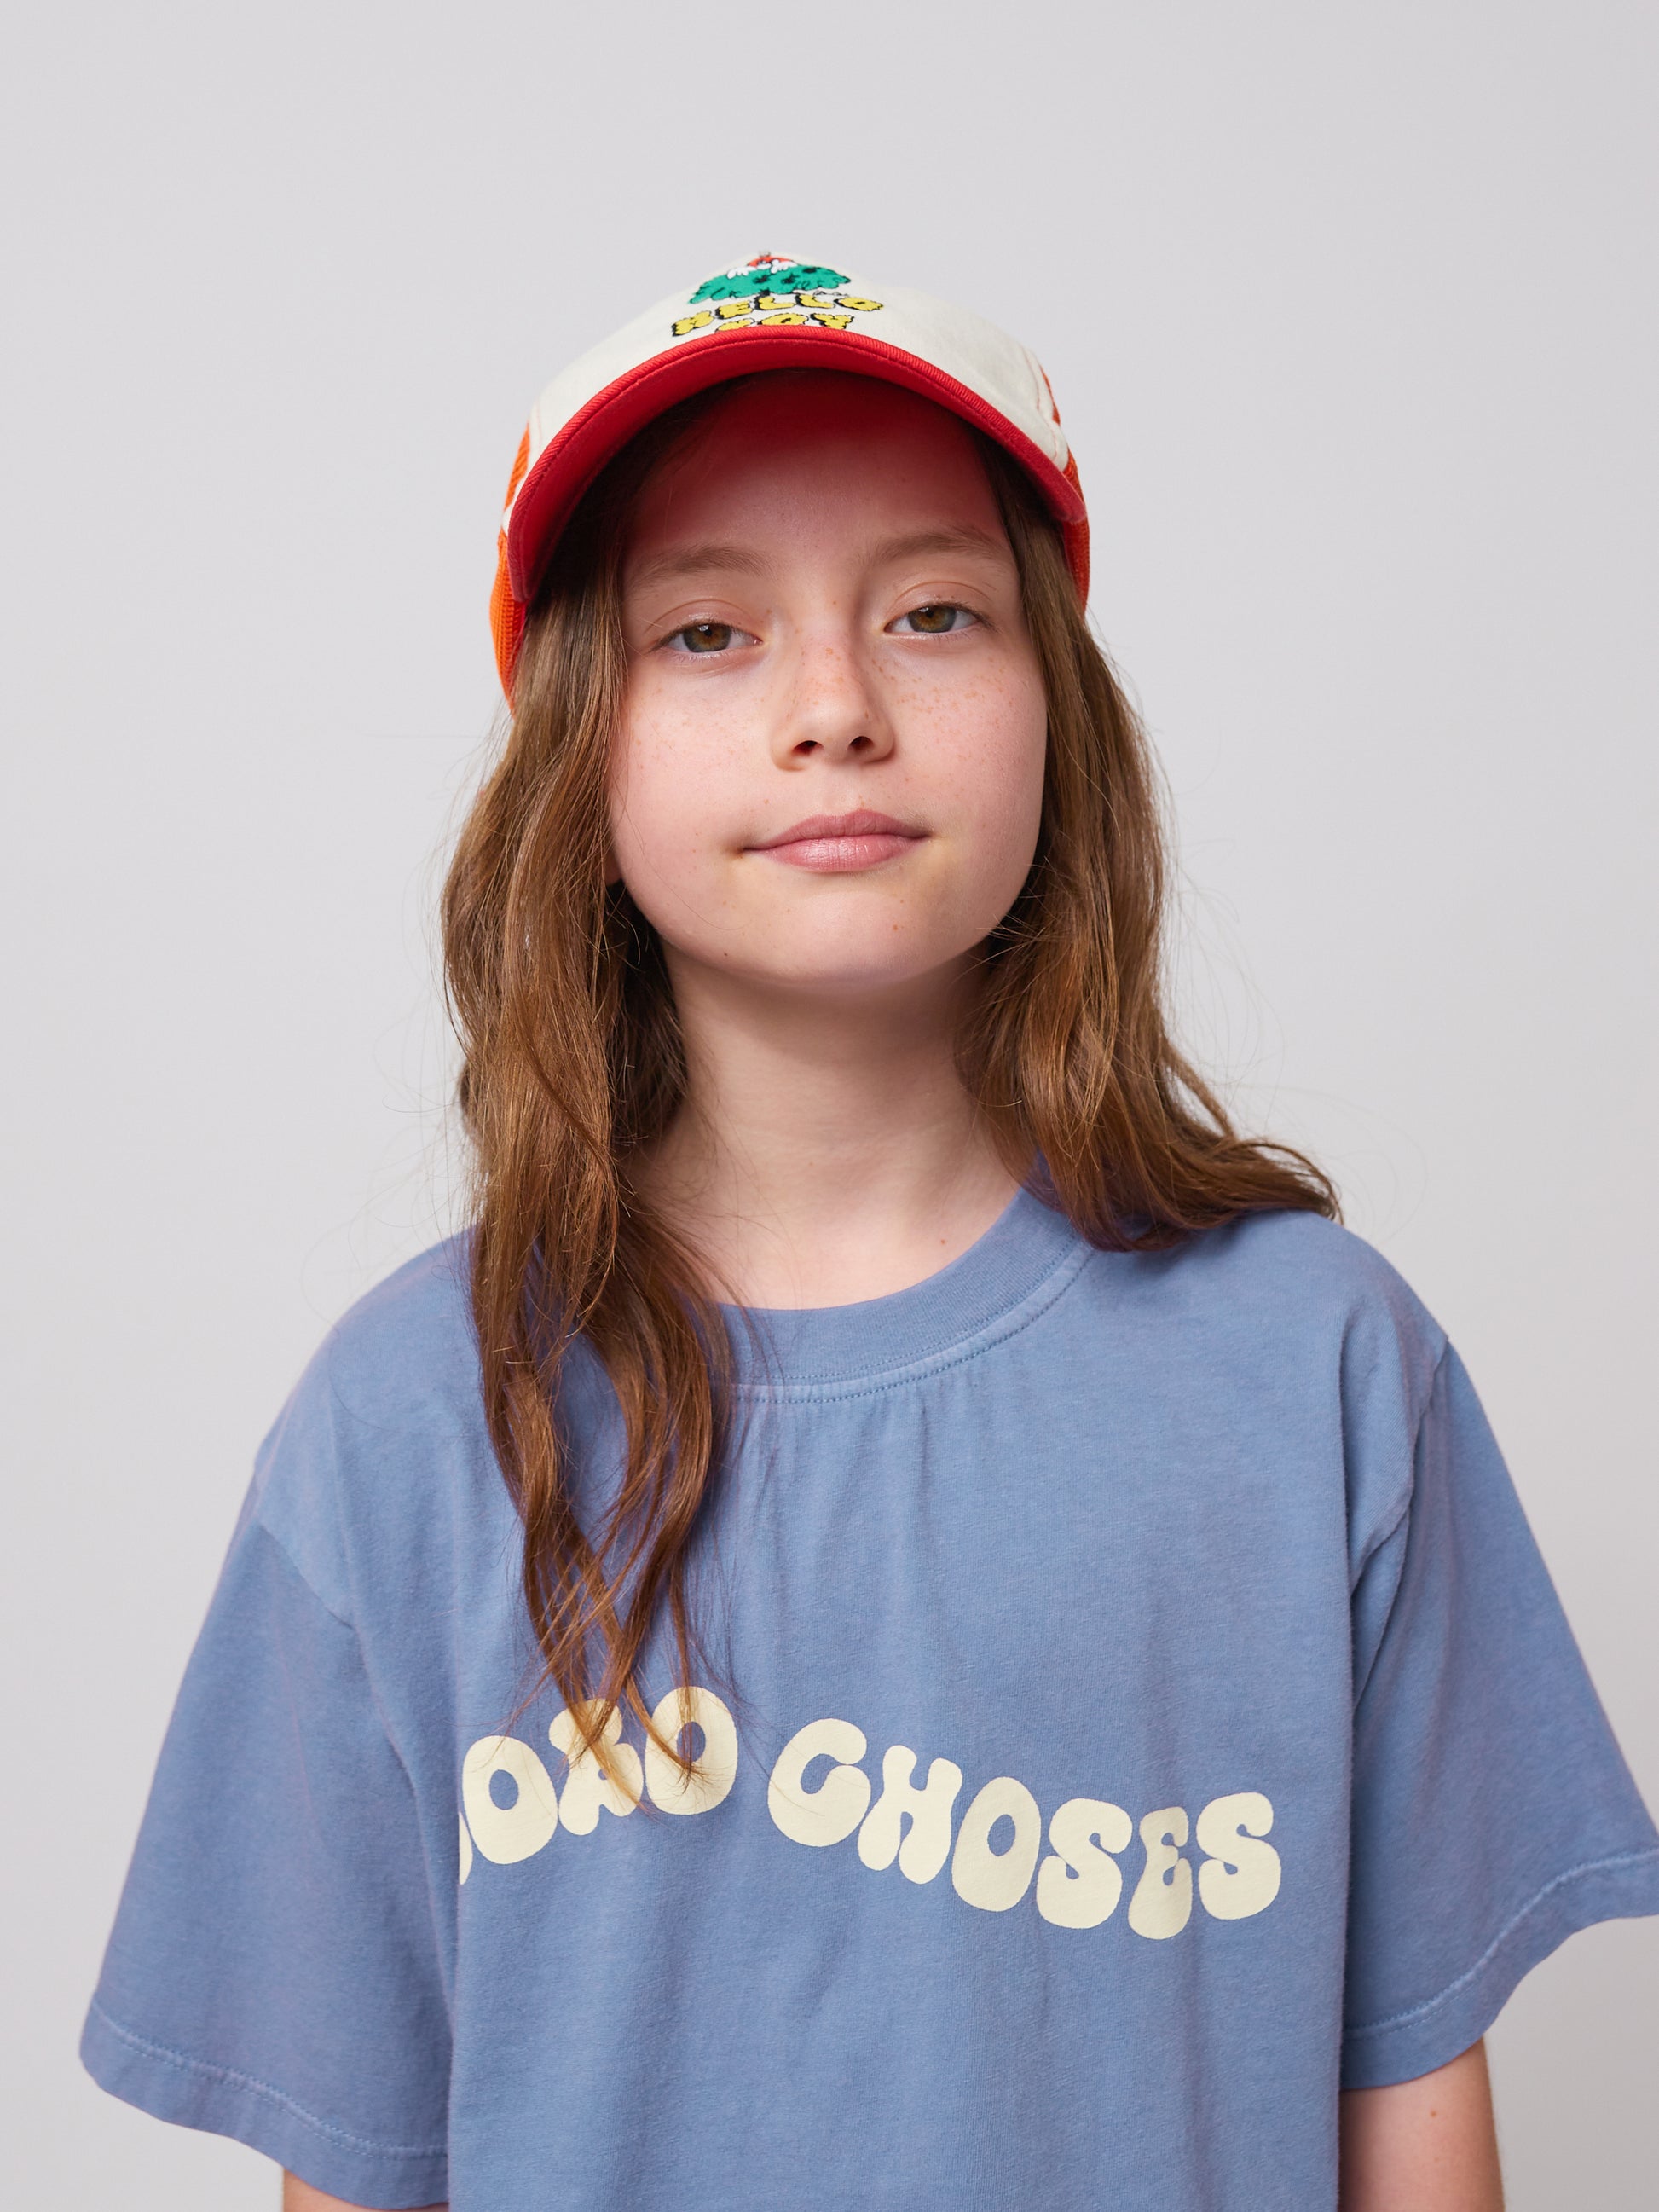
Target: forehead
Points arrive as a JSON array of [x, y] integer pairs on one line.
[[816, 451]]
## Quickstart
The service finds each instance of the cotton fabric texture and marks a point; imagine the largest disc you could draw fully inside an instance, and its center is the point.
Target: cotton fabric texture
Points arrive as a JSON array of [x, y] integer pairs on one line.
[[1136, 1704]]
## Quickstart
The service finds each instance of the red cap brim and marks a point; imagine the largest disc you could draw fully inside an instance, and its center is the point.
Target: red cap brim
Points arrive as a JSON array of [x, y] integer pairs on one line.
[[569, 462]]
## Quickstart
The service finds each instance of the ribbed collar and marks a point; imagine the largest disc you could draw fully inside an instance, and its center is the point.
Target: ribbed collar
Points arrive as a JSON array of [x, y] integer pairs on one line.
[[1026, 1258]]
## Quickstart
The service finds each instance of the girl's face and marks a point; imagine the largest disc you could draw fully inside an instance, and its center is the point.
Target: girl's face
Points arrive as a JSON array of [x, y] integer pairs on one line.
[[829, 772]]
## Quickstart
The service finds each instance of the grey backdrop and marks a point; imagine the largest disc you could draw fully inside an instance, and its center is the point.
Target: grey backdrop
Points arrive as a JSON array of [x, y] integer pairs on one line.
[[1351, 313]]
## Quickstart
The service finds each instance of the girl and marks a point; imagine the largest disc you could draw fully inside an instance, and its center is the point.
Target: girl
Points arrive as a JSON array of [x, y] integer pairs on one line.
[[905, 1621]]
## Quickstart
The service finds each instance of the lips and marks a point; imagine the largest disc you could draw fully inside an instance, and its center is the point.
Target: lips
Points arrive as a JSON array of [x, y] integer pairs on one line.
[[840, 844]]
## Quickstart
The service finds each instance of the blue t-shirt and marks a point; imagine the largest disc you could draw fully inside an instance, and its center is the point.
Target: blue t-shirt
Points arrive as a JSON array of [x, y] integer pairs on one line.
[[1134, 1705]]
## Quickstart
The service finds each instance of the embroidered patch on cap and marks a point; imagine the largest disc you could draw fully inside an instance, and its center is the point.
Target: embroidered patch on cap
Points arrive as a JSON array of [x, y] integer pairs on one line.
[[766, 272], [773, 289]]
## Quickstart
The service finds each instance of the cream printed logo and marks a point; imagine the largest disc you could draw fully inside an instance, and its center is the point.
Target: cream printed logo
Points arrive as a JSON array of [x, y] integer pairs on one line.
[[819, 1795]]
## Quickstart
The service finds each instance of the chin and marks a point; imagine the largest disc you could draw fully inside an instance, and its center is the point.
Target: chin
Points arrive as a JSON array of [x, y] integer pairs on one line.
[[842, 975]]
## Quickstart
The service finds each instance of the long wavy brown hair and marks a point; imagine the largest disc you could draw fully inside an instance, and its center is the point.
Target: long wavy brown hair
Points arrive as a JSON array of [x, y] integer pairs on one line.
[[574, 1064]]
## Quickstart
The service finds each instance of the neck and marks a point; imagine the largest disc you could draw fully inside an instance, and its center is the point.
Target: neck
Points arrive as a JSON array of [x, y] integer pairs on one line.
[[826, 1151]]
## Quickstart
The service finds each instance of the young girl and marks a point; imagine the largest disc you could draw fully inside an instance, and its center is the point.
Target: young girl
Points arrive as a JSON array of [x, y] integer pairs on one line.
[[904, 1622]]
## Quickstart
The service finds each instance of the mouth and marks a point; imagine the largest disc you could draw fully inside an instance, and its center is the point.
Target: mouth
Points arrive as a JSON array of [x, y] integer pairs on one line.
[[841, 844]]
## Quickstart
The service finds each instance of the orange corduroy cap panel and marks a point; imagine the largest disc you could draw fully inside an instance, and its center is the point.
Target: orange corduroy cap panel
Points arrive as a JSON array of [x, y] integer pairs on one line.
[[772, 311]]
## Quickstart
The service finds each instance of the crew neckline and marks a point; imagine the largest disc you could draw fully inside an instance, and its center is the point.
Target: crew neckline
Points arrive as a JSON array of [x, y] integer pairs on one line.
[[813, 1348]]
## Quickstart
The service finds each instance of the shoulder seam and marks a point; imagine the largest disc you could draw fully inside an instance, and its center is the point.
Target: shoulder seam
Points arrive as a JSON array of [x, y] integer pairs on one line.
[[1400, 1506], [265, 1529], [356, 1634]]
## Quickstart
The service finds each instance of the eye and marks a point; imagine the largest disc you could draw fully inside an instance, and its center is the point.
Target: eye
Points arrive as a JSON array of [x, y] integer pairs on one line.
[[936, 619], [706, 637]]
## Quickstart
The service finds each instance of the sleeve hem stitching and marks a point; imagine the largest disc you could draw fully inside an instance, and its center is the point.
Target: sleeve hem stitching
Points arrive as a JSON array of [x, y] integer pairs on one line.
[[228, 2075], [1453, 1989]]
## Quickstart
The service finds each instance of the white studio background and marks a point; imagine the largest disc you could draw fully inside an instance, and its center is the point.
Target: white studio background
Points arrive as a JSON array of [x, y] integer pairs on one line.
[[1351, 311]]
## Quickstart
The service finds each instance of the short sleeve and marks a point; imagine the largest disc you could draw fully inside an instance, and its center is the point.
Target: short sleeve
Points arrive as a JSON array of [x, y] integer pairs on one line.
[[274, 1972], [1493, 1814]]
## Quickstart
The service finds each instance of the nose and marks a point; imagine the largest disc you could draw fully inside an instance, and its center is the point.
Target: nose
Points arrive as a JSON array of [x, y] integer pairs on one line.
[[832, 710]]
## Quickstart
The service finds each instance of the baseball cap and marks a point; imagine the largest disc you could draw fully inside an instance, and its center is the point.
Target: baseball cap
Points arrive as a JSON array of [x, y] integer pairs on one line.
[[772, 312]]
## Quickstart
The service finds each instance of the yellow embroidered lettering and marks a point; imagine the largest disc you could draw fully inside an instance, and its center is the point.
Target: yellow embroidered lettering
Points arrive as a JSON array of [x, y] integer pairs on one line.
[[1080, 1885], [1163, 1901], [993, 1879], [1241, 1875], [508, 1833], [687, 323], [776, 299], [926, 1845], [858, 306], [833, 322], [829, 1813], [729, 310], [772, 321]]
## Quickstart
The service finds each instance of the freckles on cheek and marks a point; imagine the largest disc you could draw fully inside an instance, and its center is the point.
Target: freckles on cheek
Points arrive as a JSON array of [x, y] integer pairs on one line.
[[663, 731], [651, 750], [665, 801], [641, 765], [992, 730]]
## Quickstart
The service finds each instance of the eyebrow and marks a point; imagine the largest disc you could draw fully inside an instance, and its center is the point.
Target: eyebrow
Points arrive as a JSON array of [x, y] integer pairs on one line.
[[697, 560], [741, 560], [962, 537]]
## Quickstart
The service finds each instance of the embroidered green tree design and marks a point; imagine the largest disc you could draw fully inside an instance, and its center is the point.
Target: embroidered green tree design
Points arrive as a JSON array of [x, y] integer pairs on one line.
[[768, 274]]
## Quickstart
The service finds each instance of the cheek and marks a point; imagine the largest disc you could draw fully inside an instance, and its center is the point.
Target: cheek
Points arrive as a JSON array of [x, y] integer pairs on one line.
[[665, 779], [995, 754]]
